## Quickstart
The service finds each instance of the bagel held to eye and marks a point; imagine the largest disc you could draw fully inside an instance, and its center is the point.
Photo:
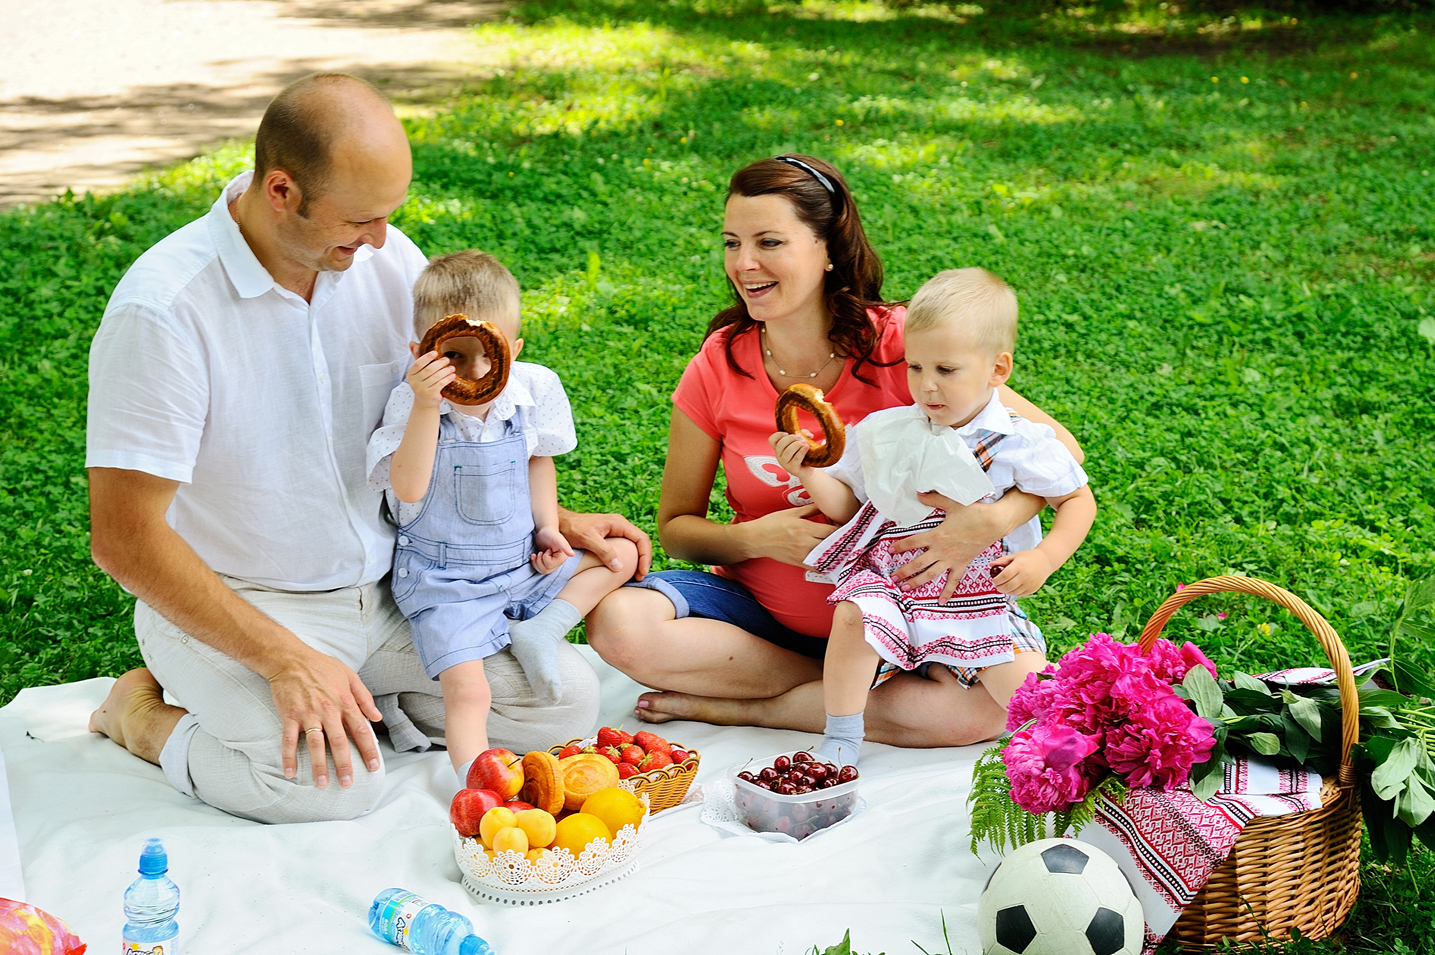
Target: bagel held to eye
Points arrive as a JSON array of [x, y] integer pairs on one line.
[[495, 346], [810, 399]]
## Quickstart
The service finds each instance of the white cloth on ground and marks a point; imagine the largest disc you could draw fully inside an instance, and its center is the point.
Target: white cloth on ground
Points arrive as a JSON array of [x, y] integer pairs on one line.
[[206, 372], [12, 881], [534, 389], [83, 808]]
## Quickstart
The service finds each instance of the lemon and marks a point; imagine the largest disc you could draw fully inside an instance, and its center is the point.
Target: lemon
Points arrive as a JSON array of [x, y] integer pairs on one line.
[[616, 807], [579, 829]]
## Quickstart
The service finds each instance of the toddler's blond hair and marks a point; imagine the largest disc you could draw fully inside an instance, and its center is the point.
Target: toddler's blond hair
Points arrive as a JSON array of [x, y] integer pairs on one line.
[[471, 283], [975, 299]]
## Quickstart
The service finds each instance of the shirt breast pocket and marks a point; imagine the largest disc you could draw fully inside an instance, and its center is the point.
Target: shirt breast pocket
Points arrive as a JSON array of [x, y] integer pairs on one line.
[[377, 383], [487, 493]]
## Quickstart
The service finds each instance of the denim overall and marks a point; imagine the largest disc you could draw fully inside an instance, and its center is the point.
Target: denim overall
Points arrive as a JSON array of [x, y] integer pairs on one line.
[[462, 565]]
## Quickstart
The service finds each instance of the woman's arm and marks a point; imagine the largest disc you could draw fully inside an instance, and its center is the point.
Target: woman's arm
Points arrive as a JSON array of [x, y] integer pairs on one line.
[[1031, 412], [683, 525]]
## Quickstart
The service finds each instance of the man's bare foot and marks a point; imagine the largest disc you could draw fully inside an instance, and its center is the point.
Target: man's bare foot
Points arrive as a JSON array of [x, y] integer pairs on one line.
[[136, 716], [661, 707]]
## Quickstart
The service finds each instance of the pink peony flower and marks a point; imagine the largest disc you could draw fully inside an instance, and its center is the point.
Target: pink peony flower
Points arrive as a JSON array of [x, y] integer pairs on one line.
[[1047, 768], [1194, 657], [1032, 700], [1159, 743], [1170, 665]]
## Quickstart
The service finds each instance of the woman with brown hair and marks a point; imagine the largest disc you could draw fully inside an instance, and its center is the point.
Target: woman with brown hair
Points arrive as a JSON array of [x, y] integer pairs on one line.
[[743, 645]]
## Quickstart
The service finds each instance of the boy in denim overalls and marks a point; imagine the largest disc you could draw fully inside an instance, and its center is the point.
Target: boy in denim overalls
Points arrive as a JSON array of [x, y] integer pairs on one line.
[[475, 494]]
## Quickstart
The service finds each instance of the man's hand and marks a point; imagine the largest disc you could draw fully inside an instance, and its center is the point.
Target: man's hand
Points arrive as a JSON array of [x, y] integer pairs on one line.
[[590, 532], [1021, 574], [324, 701], [964, 533]]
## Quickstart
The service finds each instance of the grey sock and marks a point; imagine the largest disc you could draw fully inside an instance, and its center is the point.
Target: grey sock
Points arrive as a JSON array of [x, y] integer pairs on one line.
[[842, 740], [535, 644], [463, 773]]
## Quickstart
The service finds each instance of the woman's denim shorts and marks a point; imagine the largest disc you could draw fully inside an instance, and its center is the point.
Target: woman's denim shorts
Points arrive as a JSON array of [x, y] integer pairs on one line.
[[697, 593]]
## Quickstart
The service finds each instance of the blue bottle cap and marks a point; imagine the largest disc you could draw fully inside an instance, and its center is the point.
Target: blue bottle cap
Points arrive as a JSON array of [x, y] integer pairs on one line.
[[154, 861], [473, 945]]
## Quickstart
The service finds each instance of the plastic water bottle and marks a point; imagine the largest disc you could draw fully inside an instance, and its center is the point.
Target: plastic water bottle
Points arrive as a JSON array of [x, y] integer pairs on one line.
[[151, 903], [422, 927]]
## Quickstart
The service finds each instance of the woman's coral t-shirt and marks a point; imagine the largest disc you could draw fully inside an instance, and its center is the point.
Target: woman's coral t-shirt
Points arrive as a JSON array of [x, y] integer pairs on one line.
[[738, 413]]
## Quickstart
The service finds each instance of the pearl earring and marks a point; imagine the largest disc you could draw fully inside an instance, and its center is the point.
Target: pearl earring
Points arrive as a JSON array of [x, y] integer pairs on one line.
[[829, 266]]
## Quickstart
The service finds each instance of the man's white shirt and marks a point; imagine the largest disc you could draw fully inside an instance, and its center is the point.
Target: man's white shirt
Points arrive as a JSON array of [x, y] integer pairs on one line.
[[206, 372]]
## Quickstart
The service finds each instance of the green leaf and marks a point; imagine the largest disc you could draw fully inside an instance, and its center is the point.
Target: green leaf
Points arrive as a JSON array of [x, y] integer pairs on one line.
[[843, 947], [1267, 744], [1207, 786], [1416, 804], [1390, 776], [1297, 739], [1409, 678], [1417, 630], [1247, 682], [1427, 329], [1205, 692], [1380, 717], [1374, 696], [1307, 714]]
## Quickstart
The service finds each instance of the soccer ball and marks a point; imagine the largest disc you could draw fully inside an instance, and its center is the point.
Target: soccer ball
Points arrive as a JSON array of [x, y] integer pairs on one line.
[[1059, 897]]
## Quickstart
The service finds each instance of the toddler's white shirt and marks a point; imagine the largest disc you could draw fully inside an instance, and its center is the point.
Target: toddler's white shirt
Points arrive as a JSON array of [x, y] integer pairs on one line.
[[548, 423], [1029, 458]]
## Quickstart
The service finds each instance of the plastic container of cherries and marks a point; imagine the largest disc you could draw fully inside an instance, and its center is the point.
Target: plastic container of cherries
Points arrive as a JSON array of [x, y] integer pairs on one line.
[[796, 794]]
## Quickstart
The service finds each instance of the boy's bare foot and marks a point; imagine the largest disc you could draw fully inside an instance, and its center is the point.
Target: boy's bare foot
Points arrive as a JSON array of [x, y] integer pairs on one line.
[[136, 716]]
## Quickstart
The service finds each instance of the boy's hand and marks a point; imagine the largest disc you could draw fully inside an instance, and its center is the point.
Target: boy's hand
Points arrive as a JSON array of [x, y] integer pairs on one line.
[[552, 550], [428, 376], [1022, 574], [791, 451]]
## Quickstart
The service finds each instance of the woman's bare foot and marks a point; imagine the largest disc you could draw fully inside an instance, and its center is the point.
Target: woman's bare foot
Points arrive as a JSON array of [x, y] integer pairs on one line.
[[136, 716], [661, 707]]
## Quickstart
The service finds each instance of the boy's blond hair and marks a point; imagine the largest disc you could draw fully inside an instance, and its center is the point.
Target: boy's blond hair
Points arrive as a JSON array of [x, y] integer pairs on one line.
[[975, 299], [470, 282]]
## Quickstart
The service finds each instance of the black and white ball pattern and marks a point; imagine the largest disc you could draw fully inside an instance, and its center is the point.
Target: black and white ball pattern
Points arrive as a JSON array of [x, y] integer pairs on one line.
[[1059, 897]]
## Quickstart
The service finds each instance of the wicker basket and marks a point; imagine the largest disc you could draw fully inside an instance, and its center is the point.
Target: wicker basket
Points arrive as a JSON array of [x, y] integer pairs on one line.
[[665, 787], [1300, 871]]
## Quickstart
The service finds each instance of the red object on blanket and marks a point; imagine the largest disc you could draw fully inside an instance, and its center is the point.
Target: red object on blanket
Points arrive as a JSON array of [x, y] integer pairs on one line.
[[25, 930]]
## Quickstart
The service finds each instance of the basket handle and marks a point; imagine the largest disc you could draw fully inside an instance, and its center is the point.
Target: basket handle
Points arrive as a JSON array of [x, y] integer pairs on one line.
[[1330, 642]]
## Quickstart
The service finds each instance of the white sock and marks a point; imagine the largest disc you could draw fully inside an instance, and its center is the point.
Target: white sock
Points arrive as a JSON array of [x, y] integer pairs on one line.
[[535, 644], [842, 740]]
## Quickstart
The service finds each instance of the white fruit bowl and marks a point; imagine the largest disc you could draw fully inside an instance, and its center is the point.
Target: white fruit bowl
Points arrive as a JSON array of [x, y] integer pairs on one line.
[[510, 879]]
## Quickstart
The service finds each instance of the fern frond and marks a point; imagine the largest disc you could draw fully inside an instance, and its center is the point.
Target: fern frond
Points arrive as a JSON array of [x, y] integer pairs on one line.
[[996, 820]]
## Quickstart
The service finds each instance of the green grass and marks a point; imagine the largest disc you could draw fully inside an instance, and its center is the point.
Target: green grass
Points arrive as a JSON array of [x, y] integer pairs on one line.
[[1221, 226]]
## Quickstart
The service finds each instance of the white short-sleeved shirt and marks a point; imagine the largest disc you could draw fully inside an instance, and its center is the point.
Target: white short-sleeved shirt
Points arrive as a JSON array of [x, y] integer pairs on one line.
[[1028, 457], [206, 372], [547, 419]]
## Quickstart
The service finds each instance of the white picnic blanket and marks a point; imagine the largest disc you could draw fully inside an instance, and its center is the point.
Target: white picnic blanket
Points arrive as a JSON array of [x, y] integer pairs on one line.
[[83, 808]]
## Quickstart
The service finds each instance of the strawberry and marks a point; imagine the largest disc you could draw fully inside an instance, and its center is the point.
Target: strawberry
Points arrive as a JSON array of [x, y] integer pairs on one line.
[[653, 743], [570, 751], [679, 755], [633, 754], [612, 753], [607, 736], [590, 749], [626, 769], [624, 738], [655, 760]]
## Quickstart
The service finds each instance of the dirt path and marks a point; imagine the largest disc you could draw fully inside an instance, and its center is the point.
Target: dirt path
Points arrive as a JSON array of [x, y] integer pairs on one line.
[[92, 91]]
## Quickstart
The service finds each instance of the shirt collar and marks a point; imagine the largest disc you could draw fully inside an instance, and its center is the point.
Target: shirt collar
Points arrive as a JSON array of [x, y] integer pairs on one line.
[[992, 417], [514, 395], [251, 279]]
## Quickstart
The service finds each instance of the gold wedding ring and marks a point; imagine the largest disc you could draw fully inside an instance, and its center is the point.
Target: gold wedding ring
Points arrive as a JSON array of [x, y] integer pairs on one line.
[[314, 729]]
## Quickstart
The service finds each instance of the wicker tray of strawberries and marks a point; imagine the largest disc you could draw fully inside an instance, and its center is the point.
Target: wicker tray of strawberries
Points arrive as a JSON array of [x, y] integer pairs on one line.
[[646, 763]]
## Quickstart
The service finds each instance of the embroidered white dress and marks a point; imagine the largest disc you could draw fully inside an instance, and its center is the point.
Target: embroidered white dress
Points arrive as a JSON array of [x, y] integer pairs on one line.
[[979, 626]]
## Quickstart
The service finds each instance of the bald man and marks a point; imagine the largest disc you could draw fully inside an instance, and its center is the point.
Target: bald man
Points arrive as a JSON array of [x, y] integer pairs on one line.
[[239, 369]]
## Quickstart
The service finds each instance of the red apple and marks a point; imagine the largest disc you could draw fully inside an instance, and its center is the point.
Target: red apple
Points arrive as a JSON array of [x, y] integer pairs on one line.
[[518, 805], [499, 770], [468, 807]]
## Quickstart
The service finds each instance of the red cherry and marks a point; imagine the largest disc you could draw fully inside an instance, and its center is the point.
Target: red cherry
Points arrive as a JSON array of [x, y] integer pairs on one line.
[[803, 757], [781, 763], [847, 774], [747, 776], [768, 774], [826, 783]]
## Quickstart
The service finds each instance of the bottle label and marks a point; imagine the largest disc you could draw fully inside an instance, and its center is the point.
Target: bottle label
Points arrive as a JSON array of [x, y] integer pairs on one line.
[[164, 946], [398, 915]]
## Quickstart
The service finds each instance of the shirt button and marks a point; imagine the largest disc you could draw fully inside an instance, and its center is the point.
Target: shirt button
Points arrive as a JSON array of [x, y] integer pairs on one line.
[[403, 571], [404, 541]]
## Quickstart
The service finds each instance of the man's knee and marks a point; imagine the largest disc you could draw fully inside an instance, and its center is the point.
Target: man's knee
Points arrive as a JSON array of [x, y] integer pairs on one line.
[[229, 780]]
